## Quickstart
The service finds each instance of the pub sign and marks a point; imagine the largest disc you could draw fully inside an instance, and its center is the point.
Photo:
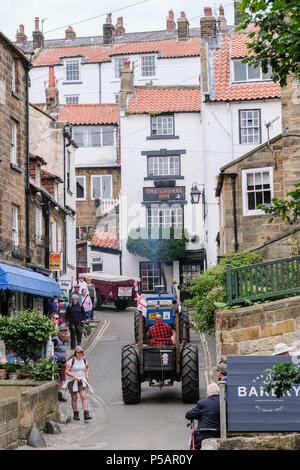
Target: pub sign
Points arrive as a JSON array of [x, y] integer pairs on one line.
[[175, 193], [249, 407]]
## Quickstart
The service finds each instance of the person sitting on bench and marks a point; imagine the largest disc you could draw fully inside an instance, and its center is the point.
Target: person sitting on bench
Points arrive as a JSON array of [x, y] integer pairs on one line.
[[160, 334]]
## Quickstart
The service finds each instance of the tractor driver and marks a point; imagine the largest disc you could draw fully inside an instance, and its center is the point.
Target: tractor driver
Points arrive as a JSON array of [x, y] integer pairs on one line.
[[160, 334]]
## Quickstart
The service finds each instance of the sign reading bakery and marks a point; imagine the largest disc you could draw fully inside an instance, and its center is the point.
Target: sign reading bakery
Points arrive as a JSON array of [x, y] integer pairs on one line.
[[175, 193], [249, 406]]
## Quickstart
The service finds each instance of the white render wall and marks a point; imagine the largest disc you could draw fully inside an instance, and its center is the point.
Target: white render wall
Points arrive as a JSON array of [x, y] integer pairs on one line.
[[99, 84], [111, 261], [221, 146], [135, 129]]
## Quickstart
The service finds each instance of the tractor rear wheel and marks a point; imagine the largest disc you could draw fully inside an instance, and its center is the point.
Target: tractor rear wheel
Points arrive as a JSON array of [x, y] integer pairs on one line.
[[136, 327], [131, 385], [184, 322], [189, 374]]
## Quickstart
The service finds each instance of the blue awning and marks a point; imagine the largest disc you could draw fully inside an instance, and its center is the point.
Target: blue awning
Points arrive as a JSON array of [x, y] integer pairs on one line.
[[26, 280]]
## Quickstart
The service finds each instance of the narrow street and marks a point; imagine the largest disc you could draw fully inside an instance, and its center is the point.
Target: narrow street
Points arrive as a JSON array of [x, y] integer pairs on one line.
[[156, 423]]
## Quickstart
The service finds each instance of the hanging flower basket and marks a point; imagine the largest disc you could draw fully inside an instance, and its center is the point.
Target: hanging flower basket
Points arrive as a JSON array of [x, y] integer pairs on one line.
[[96, 201]]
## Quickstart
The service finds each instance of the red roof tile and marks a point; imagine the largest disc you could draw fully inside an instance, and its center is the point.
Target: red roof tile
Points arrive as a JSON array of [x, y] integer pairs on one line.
[[236, 47], [106, 240], [98, 53], [165, 99], [89, 113]]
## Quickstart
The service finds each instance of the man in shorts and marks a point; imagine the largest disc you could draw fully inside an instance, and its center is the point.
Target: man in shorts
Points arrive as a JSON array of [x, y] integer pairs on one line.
[[60, 351]]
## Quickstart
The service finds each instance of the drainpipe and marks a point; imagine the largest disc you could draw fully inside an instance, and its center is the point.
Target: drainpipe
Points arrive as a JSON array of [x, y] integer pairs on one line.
[[27, 184], [100, 91], [233, 183]]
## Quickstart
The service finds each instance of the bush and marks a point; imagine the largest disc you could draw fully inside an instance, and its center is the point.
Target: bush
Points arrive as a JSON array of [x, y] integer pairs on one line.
[[46, 369], [208, 290], [25, 333]]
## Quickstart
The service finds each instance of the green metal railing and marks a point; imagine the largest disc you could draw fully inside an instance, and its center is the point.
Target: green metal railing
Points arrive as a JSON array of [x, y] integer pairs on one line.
[[263, 280]]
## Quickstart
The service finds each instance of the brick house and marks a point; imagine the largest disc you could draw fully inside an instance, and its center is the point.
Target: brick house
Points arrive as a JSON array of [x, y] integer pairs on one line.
[[268, 171]]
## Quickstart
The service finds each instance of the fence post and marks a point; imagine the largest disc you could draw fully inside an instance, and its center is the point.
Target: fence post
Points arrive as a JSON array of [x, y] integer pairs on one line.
[[228, 281], [223, 420]]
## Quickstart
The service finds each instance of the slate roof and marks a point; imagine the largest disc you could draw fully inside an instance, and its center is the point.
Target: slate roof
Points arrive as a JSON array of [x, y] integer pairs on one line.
[[165, 99]]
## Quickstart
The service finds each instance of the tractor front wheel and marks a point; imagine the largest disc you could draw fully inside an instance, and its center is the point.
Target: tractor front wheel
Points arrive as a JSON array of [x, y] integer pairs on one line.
[[131, 385]]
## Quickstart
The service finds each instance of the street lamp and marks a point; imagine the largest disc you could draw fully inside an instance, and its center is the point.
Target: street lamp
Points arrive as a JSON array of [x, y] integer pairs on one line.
[[196, 193]]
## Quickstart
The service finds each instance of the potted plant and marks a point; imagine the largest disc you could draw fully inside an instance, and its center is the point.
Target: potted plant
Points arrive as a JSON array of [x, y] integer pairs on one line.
[[97, 201], [26, 372], [11, 370]]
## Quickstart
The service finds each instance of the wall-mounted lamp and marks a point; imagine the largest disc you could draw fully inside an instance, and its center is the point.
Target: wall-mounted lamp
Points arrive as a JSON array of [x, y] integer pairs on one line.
[[196, 194]]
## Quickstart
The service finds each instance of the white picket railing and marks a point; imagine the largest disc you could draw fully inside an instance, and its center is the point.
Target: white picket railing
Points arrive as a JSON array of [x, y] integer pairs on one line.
[[106, 206]]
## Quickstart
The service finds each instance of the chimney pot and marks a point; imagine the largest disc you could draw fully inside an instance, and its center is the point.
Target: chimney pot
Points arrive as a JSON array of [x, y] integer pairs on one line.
[[108, 31], [37, 24], [21, 30], [70, 33], [126, 64], [21, 36], [207, 11], [108, 18], [52, 102], [171, 15], [221, 10], [120, 21], [171, 25], [182, 14], [120, 30], [37, 36], [182, 27], [208, 24]]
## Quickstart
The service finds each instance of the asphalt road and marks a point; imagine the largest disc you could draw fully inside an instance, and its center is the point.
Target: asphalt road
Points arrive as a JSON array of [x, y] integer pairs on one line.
[[157, 423]]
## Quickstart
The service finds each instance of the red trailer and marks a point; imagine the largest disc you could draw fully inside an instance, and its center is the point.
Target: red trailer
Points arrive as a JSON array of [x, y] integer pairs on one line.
[[112, 288]]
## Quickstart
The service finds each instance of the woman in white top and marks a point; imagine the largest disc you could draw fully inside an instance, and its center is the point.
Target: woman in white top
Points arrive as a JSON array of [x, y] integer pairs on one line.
[[87, 303], [77, 370]]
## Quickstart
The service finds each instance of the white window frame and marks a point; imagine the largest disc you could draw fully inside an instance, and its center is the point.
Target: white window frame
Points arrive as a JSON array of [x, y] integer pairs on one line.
[[15, 225], [67, 62], [86, 135], [142, 66], [93, 177], [158, 215], [13, 76], [59, 239], [13, 142], [38, 225], [247, 80], [72, 99], [245, 173], [161, 166], [84, 188], [156, 277], [258, 110], [97, 261], [162, 122], [38, 175], [118, 67], [55, 191], [53, 236]]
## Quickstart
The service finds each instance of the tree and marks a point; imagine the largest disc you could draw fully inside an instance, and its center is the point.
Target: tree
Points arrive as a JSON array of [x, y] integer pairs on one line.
[[281, 377], [275, 40], [287, 210], [164, 244]]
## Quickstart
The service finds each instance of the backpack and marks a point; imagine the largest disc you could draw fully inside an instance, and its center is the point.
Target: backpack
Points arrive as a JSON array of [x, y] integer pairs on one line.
[[73, 360]]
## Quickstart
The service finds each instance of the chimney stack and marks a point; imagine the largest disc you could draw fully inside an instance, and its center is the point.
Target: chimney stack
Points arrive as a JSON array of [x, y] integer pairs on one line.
[[237, 14], [222, 20], [126, 85], [120, 30], [37, 35], [182, 27], [70, 34], [21, 36], [108, 31], [208, 24], [171, 25], [52, 102]]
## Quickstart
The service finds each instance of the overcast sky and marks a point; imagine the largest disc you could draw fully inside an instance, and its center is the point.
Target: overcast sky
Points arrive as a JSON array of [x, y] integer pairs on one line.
[[138, 15]]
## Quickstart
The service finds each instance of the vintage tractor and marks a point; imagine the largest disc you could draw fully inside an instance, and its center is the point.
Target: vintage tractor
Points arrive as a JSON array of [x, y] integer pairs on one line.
[[160, 365]]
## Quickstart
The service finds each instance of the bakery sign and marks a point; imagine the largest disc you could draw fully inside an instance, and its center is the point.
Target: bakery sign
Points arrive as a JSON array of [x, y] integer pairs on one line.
[[249, 406], [176, 193]]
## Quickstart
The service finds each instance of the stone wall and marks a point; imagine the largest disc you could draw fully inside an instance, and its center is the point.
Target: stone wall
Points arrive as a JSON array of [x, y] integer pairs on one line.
[[9, 423], [34, 404], [273, 442], [255, 330]]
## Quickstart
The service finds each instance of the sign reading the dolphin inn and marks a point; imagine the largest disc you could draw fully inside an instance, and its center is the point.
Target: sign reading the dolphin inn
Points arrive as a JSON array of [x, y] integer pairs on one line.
[[176, 193], [249, 407]]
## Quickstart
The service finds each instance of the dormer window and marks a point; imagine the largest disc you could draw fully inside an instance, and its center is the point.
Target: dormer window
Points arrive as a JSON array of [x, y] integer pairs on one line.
[[246, 72], [148, 66], [72, 70]]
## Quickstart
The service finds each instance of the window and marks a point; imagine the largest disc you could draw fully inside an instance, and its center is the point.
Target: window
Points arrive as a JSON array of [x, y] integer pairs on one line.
[[15, 226], [164, 166], [257, 189], [13, 76], [59, 239], [246, 72], [72, 70], [82, 232], [116, 98], [68, 170], [37, 175], [72, 99], [97, 264], [94, 136], [162, 216], [13, 142], [250, 126], [80, 188], [162, 125], [119, 65], [38, 226], [150, 276], [55, 189], [53, 237], [148, 66], [101, 186]]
